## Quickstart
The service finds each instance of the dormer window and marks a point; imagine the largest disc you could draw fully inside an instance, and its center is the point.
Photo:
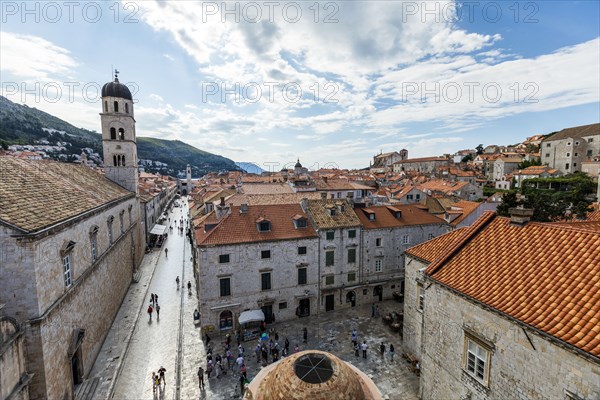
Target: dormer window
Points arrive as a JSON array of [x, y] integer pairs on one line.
[[370, 214], [332, 212], [371, 217], [299, 221], [263, 224]]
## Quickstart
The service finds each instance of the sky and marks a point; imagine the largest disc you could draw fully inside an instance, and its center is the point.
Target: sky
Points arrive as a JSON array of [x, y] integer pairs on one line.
[[332, 83]]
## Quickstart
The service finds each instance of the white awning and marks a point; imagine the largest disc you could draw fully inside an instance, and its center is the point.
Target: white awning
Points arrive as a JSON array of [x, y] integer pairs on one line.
[[158, 230], [251, 316]]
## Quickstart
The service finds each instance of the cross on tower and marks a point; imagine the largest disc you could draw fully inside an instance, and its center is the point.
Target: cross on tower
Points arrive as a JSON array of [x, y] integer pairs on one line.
[[116, 74]]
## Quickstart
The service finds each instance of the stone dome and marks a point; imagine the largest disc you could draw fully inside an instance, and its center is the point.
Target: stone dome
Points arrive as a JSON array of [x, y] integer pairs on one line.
[[298, 165], [311, 374], [116, 89]]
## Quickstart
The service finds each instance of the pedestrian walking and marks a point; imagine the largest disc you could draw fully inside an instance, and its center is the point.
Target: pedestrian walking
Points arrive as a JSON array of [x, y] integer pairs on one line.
[[200, 378], [244, 370], [356, 349], [286, 345], [296, 348], [155, 299], [189, 286], [209, 368], [237, 338], [240, 362], [150, 312], [364, 348], [242, 384], [376, 311], [354, 337], [152, 298], [305, 335], [157, 311], [391, 352], [206, 338], [382, 349], [373, 310], [218, 368], [154, 380], [161, 373], [177, 281]]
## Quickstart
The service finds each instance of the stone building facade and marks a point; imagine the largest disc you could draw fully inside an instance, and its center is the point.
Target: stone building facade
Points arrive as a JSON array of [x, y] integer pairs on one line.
[[568, 149], [73, 240], [14, 379], [473, 320], [425, 165], [269, 263]]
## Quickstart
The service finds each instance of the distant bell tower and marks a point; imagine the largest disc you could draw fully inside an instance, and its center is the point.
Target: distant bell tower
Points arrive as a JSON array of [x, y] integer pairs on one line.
[[118, 135], [188, 175]]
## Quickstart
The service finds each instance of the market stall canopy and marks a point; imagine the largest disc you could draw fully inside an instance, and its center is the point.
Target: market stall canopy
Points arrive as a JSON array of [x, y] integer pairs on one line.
[[158, 230], [251, 316]]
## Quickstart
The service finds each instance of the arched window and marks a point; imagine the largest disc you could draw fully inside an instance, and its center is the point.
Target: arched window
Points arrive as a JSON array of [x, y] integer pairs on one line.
[[123, 160], [116, 106], [226, 320], [113, 133], [121, 134], [105, 106], [127, 108], [115, 161]]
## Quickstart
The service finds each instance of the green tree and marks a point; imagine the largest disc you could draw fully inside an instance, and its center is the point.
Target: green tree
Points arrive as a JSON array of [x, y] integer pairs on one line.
[[509, 200], [529, 163], [467, 158], [479, 149]]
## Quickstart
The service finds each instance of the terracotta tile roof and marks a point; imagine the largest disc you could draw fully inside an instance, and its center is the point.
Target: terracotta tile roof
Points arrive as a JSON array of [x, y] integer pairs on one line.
[[266, 199], [575, 132], [545, 275], [465, 207], [385, 218], [239, 227], [593, 216], [433, 249], [439, 185], [320, 215], [267, 188], [37, 194]]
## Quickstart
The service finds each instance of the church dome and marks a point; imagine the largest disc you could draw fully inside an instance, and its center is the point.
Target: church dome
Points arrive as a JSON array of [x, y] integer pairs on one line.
[[311, 374], [116, 89], [298, 165]]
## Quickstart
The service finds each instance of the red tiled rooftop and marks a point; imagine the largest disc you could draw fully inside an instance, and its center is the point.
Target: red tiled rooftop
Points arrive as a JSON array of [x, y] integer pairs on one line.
[[545, 275]]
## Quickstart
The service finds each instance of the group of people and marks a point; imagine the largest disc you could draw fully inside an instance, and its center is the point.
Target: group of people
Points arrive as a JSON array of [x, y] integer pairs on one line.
[[358, 347], [158, 378], [220, 365], [153, 306]]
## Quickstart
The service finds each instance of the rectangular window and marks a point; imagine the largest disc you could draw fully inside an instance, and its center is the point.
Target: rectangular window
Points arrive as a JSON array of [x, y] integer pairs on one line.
[[378, 242], [421, 297], [574, 164], [547, 144], [378, 265], [301, 276], [409, 197], [121, 222], [405, 239], [567, 166], [225, 287], [590, 140], [568, 154], [589, 153], [265, 254], [330, 235], [302, 250], [351, 276], [329, 258], [547, 155], [223, 258], [265, 281], [283, 305], [110, 233], [476, 362], [351, 255], [575, 154], [329, 280], [352, 233], [67, 270], [264, 226], [301, 223], [417, 196]]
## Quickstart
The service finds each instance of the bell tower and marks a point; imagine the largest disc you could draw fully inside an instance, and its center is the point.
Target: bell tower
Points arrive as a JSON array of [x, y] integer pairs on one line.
[[118, 135], [188, 175]]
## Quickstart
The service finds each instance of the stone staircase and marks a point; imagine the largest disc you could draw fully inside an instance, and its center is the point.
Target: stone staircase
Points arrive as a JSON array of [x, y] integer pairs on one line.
[[87, 389]]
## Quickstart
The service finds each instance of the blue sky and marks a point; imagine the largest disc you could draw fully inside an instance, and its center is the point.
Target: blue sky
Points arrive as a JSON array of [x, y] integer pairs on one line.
[[431, 77]]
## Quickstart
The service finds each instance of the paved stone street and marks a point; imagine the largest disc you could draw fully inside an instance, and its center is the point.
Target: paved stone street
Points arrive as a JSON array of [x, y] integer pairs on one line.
[[136, 346]]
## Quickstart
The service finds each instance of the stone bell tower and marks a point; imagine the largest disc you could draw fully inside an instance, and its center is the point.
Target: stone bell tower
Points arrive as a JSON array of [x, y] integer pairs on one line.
[[118, 135], [188, 176]]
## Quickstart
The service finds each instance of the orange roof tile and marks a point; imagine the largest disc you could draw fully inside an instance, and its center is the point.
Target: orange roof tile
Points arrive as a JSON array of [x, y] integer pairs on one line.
[[545, 275], [431, 250], [236, 227], [384, 216]]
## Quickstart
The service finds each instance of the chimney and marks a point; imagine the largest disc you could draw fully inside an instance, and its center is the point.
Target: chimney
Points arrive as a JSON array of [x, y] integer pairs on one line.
[[520, 216], [222, 204], [243, 208]]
